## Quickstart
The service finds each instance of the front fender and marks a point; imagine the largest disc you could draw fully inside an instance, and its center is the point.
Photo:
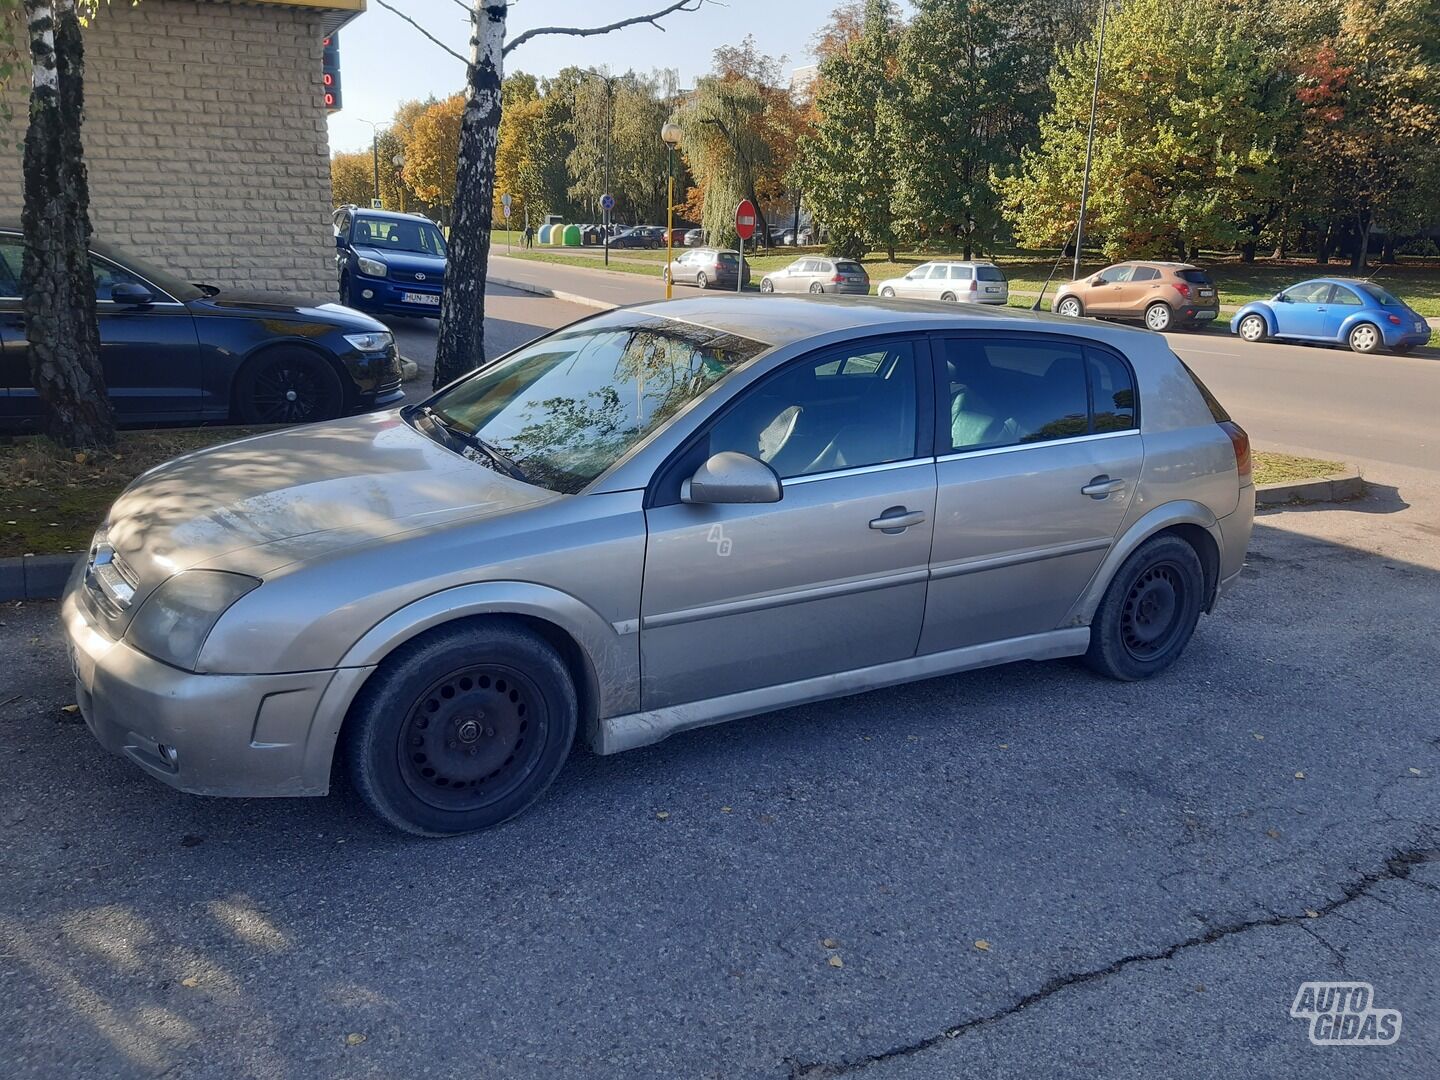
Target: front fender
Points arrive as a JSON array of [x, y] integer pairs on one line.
[[1180, 512], [1256, 308]]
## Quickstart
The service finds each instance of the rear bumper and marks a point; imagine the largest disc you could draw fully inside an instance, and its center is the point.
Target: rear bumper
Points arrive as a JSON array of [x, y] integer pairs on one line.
[[1235, 529], [234, 735], [848, 289], [1405, 335]]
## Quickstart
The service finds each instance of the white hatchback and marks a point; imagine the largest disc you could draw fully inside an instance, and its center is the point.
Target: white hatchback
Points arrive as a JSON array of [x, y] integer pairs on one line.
[[972, 282]]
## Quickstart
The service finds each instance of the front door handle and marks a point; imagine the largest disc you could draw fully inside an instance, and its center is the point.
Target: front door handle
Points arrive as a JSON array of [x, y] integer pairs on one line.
[[1101, 486], [897, 519]]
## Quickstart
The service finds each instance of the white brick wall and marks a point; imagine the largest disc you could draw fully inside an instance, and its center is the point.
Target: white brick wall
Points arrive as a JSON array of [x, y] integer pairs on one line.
[[206, 142]]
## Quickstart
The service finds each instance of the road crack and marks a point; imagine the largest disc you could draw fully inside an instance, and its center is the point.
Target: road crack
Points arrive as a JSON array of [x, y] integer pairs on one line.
[[1396, 867]]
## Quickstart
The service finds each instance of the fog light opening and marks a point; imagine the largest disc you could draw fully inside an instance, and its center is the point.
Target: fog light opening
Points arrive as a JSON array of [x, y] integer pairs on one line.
[[368, 294], [169, 754]]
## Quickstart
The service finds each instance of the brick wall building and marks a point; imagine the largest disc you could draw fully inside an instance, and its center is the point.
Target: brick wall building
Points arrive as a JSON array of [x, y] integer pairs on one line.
[[205, 138]]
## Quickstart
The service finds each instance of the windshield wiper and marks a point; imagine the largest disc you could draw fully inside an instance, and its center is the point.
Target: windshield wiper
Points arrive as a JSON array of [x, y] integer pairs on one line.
[[464, 440]]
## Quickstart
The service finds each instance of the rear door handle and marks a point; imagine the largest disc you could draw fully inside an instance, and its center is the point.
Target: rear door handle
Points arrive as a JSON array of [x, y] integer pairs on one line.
[[1102, 486], [897, 519]]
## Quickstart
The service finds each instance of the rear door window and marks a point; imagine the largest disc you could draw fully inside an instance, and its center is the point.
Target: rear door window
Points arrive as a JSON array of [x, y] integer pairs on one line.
[[1145, 273], [1012, 391]]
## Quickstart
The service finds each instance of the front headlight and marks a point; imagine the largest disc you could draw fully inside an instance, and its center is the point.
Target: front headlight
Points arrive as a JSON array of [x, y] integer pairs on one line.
[[372, 267], [173, 623], [376, 341]]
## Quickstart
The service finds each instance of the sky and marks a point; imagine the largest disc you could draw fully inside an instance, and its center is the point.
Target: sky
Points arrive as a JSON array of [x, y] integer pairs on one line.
[[384, 61]]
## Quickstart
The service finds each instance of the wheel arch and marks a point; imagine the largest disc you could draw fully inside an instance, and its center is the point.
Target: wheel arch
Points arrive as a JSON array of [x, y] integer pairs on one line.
[[1362, 316], [1191, 521], [603, 660], [1272, 328], [260, 350]]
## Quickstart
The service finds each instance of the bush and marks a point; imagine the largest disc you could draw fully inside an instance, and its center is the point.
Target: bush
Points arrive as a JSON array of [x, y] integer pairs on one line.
[[1422, 246], [845, 247]]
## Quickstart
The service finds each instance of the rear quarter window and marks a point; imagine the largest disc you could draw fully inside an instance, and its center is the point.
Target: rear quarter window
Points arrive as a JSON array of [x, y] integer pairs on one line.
[[1217, 411], [1194, 277]]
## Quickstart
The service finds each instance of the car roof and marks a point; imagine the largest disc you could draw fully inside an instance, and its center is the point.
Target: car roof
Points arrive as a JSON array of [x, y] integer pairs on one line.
[[386, 215], [779, 320]]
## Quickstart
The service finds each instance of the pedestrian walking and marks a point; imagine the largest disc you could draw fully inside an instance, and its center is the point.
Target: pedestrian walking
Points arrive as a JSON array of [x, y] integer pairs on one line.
[[527, 234]]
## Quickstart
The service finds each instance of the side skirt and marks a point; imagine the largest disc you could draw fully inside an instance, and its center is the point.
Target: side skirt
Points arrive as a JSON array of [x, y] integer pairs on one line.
[[633, 730]]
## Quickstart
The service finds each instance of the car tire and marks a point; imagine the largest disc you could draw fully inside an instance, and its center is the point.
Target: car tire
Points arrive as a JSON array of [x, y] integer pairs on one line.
[[1070, 307], [701, 281], [1252, 328], [345, 289], [889, 294], [1149, 612], [816, 288], [461, 729], [766, 285], [287, 385], [948, 297], [1159, 317], [1365, 338]]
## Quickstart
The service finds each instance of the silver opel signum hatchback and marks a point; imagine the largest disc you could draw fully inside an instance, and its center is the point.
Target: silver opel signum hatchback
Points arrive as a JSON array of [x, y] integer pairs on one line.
[[657, 518]]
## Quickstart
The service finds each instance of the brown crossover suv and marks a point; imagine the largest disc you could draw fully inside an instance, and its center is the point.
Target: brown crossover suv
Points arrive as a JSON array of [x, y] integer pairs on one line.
[[1162, 295]]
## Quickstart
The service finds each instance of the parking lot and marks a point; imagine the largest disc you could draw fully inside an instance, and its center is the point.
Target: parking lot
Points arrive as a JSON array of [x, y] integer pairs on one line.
[[1026, 871]]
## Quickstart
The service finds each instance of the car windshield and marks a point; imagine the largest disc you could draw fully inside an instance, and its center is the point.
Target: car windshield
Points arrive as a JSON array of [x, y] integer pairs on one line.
[[1379, 295], [415, 237], [565, 408], [183, 291]]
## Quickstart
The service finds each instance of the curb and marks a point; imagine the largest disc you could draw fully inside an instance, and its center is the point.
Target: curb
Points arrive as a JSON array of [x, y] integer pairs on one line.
[[1338, 488], [554, 294], [35, 577], [409, 370]]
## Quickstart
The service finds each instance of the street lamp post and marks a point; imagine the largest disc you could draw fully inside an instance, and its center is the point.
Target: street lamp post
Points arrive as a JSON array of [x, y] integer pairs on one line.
[[1089, 142], [374, 152], [399, 162], [671, 135], [609, 81]]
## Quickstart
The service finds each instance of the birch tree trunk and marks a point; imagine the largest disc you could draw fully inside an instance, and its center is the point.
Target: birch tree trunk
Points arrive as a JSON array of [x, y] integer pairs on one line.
[[56, 281], [461, 344]]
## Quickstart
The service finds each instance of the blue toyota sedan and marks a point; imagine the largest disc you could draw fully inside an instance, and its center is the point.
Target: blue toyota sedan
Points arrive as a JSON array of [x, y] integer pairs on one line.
[[1341, 311], [389, 262]]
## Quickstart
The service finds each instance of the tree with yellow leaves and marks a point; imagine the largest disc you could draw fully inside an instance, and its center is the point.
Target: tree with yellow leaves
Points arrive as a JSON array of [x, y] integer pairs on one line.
[[433, 148]]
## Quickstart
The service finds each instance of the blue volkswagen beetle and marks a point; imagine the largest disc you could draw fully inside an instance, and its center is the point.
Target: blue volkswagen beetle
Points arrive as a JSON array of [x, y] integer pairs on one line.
[[1344, 311]]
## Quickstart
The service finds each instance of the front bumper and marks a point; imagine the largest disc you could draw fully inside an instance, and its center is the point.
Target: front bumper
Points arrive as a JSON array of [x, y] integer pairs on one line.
[[388, 296], [235, 735]]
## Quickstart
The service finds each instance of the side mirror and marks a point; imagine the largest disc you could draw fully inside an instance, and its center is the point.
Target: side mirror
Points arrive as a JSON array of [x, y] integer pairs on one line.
[[731, 477], [130, 294], [1283, 299], [1098, 280], [340, 240]]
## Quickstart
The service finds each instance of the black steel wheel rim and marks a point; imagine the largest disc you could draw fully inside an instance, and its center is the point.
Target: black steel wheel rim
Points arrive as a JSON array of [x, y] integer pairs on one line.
[[473, 737], [288, 392], [1151, 618]]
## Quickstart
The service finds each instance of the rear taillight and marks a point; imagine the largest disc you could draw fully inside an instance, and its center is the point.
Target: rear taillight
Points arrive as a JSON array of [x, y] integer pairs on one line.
[[1394, 319], [974, 285], [1183, 289], [1241, 442], [837, 280]]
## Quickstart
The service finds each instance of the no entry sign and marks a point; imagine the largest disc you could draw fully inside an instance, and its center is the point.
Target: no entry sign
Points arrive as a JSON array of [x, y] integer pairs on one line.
[[745, 219]]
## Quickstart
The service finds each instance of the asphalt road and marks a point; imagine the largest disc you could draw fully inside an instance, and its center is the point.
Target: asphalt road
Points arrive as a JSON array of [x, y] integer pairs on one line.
[[1140, 860], [1373, 410]]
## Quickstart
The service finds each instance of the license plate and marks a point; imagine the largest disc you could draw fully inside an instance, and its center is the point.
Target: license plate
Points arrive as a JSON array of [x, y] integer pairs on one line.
[[1205, 314], [1207, 293], [421, 298], [992, 288]]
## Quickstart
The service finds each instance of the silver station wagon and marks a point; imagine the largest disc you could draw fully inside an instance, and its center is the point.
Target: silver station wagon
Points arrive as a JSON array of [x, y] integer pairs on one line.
[[655, 519]]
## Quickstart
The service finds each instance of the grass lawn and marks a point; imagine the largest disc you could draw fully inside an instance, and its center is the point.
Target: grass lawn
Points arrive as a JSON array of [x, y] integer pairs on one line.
[[1416, 282], [1272, 468], [51, 499]]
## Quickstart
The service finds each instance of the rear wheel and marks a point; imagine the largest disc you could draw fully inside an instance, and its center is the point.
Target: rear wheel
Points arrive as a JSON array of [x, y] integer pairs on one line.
[[1069, 307], [1253, 328], [701, 281], [461, 729], [288, 386], [1365, 338], [1149, 611], [948, 297], [816, 287], [1159, 317]]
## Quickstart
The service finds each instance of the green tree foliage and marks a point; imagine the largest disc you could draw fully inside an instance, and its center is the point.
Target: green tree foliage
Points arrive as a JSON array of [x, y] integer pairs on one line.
[[725, 148], [1184, 130], [845, 163]]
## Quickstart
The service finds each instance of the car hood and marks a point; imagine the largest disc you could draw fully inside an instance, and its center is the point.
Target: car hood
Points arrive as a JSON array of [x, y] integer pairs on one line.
[[291, 496], [269, 304], [406, 261]]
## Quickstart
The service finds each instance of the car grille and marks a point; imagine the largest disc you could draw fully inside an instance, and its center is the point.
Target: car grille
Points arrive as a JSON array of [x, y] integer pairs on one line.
[[422, 277]]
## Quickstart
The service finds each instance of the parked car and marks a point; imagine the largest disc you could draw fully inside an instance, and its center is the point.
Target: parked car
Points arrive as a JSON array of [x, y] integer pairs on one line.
[[704, 267], [818, 275], [950, 279], [634, 238], [773, 501], [790, 238], [176, 352], [1162, 295], [695, 238], [1344, 311], [390, 262]]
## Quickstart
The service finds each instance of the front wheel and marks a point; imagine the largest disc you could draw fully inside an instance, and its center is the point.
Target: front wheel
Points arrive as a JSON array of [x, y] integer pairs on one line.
[[766, 285], [461, 729], [1253, 328], [1069, 307], [1149, 611], [288, 386], [889, 294], [1365, 338], [1159, 317]]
